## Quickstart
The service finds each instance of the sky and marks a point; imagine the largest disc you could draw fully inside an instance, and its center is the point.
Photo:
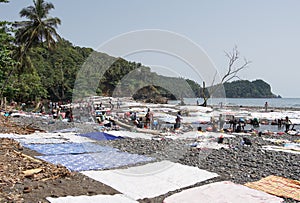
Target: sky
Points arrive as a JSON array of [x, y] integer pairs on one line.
[[265, 32]]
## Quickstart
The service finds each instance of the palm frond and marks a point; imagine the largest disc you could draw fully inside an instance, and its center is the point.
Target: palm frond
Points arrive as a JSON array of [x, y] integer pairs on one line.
[[39, 27]]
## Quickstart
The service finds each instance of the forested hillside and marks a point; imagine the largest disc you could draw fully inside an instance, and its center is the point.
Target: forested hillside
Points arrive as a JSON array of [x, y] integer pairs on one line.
[[36, 63], [247, 89], [52, 75], [56, 70]]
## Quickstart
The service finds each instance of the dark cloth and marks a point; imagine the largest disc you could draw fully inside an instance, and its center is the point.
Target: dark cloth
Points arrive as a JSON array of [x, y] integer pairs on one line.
[[247, 141]]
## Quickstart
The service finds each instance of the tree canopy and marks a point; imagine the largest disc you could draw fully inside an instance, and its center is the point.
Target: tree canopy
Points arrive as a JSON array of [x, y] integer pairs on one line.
[[39, 27], [20, 79], [247, 89], [36, 63]]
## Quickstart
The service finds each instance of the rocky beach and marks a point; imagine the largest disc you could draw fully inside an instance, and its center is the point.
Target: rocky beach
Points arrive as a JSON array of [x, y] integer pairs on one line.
[[236, 161], [149, 102]]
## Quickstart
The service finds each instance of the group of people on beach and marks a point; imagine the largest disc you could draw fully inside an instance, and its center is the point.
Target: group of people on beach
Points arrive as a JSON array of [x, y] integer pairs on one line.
[[238, 124], [143, 122], [149, 122], [235, 125]]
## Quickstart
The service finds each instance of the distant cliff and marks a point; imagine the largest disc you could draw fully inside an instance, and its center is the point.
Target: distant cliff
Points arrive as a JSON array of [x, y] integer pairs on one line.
[[247, 89]]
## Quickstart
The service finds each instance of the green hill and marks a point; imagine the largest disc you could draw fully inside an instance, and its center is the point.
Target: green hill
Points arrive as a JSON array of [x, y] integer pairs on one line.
[[52, 75], [247, 89], [59, 69]]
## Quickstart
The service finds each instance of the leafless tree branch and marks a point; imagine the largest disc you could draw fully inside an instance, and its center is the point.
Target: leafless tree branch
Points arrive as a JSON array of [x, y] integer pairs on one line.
[[232, 70]]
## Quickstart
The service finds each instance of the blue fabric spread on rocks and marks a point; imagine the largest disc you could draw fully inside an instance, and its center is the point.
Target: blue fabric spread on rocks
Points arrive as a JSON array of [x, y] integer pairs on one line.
[[96, 161], [69, 148], [100, 136]]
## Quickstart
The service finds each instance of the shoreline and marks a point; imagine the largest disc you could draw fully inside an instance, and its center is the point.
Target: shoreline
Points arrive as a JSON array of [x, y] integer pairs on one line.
[[290, 103], [193, 113], [261, 108]]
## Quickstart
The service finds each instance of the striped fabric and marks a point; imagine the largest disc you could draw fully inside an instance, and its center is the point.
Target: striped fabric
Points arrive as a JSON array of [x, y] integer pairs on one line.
[[278, 186]]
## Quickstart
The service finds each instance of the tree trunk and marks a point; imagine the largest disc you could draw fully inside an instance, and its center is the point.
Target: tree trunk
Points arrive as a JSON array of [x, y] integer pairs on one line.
[[204, 102], [204, 96]]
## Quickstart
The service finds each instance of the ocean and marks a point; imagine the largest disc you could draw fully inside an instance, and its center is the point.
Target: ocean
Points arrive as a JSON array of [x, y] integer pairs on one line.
[[257, 102]]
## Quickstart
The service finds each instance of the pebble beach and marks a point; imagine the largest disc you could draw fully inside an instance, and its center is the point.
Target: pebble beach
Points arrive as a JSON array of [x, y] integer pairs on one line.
[[232, 160]]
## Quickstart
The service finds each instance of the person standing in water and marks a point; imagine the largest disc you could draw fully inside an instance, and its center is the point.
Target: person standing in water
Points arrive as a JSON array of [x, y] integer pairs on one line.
[[287, 124], [266, 106]]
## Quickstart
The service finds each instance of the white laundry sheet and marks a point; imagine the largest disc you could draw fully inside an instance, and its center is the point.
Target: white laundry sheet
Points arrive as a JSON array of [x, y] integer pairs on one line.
[[118, 198], [241, 134], [294, 116], [157, 110], [196, 108], [276, 140], [198, 135], [51, 138], [152, 179], [222, 192], [130, 134], [210, 145], [12, 136], [294, 150], [167, 119], [195, 119], [185, 119]]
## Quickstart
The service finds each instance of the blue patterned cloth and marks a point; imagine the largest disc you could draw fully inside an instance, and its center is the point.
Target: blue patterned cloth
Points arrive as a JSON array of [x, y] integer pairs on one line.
[[69, 148], [96, 161], [100, 136]]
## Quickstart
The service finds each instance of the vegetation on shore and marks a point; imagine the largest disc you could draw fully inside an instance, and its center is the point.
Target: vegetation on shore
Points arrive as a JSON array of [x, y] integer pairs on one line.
[[247, 89], [36, 63]]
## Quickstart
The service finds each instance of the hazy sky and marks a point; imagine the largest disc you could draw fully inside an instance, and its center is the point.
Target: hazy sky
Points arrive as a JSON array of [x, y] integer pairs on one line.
[[265, 32]]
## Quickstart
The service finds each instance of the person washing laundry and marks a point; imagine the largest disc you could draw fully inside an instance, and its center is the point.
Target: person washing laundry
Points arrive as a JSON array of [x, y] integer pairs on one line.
[[147, 116], [178, 120], [287, 124]]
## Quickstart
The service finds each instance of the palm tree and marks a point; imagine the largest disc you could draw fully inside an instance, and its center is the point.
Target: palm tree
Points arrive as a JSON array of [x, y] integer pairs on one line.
[[39, 28]]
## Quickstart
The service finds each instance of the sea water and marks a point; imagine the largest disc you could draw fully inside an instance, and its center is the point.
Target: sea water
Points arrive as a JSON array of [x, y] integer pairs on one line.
[[256, 102]]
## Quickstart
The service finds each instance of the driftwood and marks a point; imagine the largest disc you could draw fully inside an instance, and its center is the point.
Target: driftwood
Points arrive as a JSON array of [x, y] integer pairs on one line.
[[31, 172], [28, 157], [51, 178]]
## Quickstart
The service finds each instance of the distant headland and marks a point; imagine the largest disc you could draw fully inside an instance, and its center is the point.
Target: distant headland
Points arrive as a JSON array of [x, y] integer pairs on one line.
[[247, 89]]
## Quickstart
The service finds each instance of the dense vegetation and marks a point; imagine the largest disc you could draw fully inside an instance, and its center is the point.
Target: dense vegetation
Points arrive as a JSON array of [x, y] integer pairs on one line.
[[52, 74], [247, 89], [36, 63]]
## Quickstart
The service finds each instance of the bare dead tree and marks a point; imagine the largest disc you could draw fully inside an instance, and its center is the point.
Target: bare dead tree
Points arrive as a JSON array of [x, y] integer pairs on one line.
[[232, 72]]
